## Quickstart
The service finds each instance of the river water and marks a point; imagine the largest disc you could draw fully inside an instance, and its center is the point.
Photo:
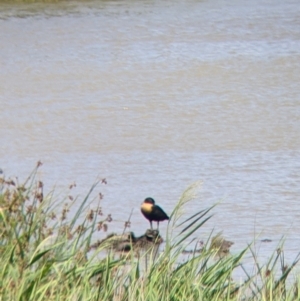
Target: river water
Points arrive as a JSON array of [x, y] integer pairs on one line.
[[153, 96]]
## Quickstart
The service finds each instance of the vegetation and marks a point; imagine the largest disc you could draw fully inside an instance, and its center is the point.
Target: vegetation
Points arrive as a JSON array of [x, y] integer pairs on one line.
[[46, 256]]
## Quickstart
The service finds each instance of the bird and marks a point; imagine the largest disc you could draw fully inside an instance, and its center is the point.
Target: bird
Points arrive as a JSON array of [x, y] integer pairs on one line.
[[153, 212]]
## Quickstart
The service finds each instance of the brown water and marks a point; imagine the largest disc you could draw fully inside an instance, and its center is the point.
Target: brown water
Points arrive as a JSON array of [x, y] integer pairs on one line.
[[154, 95]]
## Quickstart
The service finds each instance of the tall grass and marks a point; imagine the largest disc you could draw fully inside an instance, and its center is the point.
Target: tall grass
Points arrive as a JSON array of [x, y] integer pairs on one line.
[[48, 256]]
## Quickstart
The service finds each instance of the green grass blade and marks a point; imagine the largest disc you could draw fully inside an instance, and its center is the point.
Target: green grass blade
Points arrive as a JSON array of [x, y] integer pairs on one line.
[[192, 231], [36, 257]]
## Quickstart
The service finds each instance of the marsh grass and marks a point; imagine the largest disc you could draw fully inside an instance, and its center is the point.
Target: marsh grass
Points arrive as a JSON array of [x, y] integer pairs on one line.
[[48, 256]]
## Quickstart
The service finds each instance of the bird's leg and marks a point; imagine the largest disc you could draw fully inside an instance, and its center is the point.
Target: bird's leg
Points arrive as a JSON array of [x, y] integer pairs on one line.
[[157, 225], [151, 225]]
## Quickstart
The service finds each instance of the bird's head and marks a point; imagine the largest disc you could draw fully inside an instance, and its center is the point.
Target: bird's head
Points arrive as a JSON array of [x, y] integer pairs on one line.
[[149, 201]]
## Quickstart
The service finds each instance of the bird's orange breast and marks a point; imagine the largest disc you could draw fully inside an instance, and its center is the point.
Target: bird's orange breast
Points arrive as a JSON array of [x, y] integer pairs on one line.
[[146, 207]]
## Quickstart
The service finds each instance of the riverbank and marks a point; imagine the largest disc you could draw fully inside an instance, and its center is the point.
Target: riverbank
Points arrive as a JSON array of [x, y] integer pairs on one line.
[[49, 256]]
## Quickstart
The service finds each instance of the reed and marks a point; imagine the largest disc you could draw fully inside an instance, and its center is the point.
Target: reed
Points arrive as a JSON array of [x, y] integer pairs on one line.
[[49, 256]]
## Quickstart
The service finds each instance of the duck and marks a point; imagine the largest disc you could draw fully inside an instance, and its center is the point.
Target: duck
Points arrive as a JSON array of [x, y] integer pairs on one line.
[[153, 212]]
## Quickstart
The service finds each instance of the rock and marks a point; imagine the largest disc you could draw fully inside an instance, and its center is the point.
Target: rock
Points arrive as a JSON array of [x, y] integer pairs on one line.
[[221, 245], [127, 241]]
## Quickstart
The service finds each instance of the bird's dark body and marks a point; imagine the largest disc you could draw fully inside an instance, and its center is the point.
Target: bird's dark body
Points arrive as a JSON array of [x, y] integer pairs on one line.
[[157, 214], [153, 212]]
